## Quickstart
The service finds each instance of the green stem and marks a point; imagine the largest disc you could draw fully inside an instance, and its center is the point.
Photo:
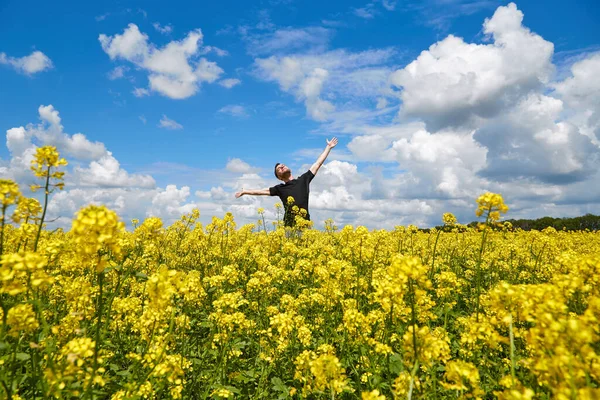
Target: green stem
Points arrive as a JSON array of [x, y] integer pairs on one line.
[[98, 328], [412, 380], [478, 271], [46, 193], [4, 206], [21, 236], [512, 350], [433, 257]]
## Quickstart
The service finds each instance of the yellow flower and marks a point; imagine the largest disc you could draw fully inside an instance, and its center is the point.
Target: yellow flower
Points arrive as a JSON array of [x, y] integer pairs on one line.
[[27, 208], [20, 271], [373, 395], [9, 192], [492, 205], [97, 228], [449, 219], [463, 377], [222, 393], [21, 319], [403, 383], [321, 373], [47, 157]]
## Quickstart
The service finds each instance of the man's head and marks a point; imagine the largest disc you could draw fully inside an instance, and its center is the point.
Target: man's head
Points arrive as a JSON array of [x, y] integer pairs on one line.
[[282, 171]]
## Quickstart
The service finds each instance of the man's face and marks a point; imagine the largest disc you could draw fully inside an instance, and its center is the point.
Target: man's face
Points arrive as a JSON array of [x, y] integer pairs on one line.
[[283, 171]]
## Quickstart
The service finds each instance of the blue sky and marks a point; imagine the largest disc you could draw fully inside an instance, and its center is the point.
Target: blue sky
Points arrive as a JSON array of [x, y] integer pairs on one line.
[[180, 105]]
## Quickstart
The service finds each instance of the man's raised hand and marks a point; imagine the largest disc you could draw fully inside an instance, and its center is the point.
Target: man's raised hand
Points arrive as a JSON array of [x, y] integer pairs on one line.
[[331, 143], [239, 194]]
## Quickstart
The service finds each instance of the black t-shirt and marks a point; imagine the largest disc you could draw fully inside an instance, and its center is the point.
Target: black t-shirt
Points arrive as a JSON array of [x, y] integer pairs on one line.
[[297, 188]]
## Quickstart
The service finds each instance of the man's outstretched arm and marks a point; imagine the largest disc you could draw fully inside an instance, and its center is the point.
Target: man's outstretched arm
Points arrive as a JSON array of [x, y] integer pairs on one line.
[[330, 145], [253, 192]]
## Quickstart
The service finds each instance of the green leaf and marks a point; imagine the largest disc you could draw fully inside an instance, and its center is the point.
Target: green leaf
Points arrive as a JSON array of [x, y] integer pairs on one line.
[[23, 356], [141, 276], [396, 364], [114, 367], [233, 389], [279, 386]]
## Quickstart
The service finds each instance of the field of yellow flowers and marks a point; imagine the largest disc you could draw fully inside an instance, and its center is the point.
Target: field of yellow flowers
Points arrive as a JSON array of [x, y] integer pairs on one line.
[[221, 311]]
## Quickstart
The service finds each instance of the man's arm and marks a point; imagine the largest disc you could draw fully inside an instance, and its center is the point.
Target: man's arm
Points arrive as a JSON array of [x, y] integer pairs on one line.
[[254, 192], [330, 145]]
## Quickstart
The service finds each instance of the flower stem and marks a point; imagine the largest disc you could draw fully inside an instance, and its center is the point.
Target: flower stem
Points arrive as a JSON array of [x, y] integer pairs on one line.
[[46, 192]]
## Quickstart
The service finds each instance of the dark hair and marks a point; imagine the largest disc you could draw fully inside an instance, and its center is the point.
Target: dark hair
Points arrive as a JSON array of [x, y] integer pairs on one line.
[[276, 170]]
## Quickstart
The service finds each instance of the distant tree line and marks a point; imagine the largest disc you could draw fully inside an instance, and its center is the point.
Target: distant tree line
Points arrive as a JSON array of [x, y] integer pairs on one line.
[[587, 221]]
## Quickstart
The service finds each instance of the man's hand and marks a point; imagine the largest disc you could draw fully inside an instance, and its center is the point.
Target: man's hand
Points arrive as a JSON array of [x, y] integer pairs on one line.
[[332, 143], [239, 194]]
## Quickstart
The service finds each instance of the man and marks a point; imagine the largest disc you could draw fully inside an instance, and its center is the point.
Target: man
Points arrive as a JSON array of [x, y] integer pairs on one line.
[[297, 188]]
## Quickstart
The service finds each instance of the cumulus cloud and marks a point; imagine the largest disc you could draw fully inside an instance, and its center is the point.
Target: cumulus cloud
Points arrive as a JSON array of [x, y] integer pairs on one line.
[[489, 124], [529, 143], [455, 82], [174, 70], [581, 93], [238, 166], [103, 169], [107, 172], [51, 132], [28, 65], [167, 123]]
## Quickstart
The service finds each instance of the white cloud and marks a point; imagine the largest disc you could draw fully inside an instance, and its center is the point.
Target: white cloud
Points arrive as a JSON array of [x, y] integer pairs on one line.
[[219, 52], [173, 70], [235, 110], [238, 166], [140, 92], [107, 172], [581, 93], [582, 89], [454, 83], [103, 169], [143, 119], [50, 132], [528, 142], [338, 74], [229, 83], [171, 203], [104, 181], [381, 103], [117, 73], [366, 12], [388, 4], [167, 123], [29, 65], [165, 30]]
